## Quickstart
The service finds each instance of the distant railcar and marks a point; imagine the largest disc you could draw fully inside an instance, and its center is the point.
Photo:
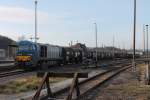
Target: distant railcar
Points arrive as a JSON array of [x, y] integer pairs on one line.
[[77, 55], [68, 55]]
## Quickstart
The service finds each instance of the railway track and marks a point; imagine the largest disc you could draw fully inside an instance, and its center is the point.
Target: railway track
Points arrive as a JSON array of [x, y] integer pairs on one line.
[[90, 83], [18, 71], [98, 81], [11, 73], [7, 67]]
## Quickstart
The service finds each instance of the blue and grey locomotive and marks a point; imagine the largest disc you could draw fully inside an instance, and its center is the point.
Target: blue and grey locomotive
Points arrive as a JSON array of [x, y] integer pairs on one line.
[[32, 54]]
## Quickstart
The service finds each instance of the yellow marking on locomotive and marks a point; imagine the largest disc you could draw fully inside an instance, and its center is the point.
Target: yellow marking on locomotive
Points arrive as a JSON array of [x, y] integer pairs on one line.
[[23, 58]]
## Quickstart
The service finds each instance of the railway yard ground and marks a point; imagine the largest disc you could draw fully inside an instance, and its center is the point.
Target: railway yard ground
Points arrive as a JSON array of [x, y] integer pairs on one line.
[[125, 86], [31, 82], [54, 50], [15, 73]]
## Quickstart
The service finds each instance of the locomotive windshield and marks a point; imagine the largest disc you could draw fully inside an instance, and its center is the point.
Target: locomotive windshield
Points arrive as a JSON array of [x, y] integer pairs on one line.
[[26, 47]]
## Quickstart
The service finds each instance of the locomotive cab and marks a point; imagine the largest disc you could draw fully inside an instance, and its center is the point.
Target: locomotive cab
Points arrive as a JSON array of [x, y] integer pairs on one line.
[[26, 54]]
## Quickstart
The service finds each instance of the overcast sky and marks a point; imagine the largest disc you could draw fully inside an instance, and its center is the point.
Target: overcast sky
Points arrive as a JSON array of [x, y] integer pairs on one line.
[[62, 21]]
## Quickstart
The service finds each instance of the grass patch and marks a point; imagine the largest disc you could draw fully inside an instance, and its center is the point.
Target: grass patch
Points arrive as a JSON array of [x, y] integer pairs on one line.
[[132, 89], [24, 85]]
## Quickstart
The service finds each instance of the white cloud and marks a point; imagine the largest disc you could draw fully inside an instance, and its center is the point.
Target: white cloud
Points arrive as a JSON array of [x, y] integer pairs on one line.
[[21, 15]]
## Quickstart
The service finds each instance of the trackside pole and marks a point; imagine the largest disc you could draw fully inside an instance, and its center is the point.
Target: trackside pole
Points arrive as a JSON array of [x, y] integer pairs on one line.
[[148, 73], [147, 60], [96, 44], [134, 32]]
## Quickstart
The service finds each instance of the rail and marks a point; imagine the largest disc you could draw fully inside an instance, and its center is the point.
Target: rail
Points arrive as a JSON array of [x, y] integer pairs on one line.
[[11, 73]]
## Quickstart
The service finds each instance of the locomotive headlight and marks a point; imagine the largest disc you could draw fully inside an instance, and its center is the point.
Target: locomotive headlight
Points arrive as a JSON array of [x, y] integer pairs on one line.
[[29, 58], [23, 58]]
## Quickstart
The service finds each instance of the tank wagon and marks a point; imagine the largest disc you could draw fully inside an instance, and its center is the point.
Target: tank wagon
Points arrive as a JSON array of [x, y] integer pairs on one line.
[[102, 53], [77, 55], [68, 55]]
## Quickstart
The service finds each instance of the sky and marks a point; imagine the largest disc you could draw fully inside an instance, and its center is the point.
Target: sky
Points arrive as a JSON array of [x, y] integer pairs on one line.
[[62, 21]]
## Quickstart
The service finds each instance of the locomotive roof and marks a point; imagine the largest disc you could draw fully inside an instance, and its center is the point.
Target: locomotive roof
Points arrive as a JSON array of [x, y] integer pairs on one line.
[[30, 42], [26, 42]]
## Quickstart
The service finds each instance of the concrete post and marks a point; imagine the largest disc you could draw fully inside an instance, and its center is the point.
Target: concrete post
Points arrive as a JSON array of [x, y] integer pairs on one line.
[[148, 74]]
